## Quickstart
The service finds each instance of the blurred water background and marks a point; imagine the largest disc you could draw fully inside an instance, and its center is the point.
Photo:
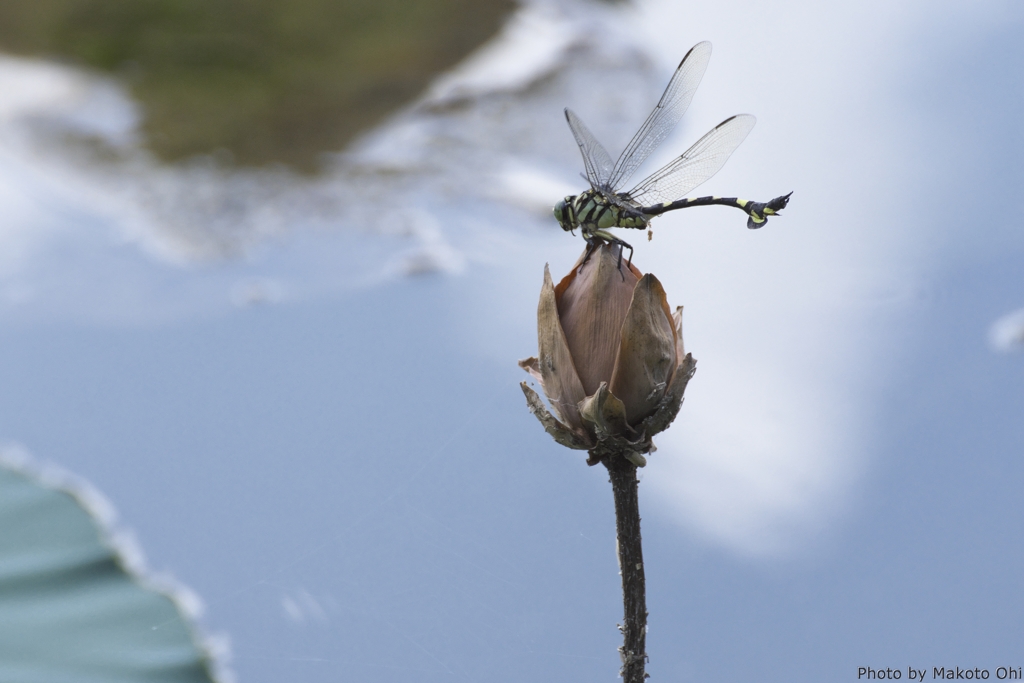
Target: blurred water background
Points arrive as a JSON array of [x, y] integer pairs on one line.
[[289, 359]]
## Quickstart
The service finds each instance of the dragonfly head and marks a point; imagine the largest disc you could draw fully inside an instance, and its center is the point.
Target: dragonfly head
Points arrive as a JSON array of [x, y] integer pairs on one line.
[[564, 213]]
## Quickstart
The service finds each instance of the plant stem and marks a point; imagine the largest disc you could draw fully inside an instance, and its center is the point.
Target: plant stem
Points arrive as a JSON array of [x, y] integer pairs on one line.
[[631, 566]]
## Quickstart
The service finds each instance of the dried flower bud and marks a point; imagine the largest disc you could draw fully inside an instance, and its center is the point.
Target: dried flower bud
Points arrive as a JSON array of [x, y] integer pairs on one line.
[[611, 359]]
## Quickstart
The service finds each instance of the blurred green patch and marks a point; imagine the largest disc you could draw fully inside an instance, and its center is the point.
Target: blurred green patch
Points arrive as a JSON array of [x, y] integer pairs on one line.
[[267, 80]]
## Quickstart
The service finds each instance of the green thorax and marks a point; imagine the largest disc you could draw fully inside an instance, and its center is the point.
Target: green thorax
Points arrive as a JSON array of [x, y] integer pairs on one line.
[[594, 211]]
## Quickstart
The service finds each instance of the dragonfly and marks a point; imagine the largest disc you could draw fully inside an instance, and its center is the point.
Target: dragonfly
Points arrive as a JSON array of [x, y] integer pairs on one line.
[[606, 206]]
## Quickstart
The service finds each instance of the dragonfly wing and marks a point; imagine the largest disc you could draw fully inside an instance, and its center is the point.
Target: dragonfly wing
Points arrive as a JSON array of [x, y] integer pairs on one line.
[[595, 157], [703, 160], [670, 108]]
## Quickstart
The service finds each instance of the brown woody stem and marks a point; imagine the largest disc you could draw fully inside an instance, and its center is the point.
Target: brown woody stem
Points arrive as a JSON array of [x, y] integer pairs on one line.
[[631, 563]]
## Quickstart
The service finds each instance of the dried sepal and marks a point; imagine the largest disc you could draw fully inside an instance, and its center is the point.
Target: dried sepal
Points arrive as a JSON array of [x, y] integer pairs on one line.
[[532, 366], [635, 458], [604, 413], [558, 431]]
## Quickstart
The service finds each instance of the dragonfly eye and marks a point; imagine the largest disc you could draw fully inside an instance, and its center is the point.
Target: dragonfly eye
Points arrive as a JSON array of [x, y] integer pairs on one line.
[[563, 213]]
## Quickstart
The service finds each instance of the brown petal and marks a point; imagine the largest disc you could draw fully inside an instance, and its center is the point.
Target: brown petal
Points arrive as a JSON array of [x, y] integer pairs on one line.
[[559, 380], [592, 303], [647, 354]]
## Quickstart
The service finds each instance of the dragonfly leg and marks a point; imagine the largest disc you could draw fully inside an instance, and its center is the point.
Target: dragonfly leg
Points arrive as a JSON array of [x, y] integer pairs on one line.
[[629, 262], [592, 244], [612, 239], [597, 238]]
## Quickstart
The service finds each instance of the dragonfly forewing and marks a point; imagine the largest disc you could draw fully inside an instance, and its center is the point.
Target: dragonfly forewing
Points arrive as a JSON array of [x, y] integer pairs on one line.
[[662, 121]]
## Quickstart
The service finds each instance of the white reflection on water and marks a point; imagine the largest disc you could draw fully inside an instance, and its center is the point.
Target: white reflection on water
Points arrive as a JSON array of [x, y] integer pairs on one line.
[[437, 186]]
